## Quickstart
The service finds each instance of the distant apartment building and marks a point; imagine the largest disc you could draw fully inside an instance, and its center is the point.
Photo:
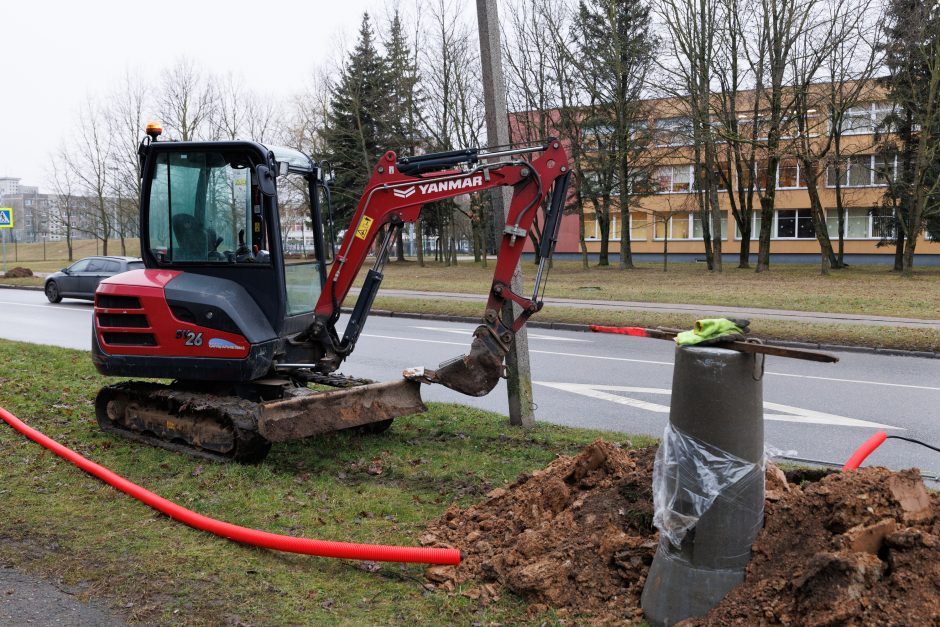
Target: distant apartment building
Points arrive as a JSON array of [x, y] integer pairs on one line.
[[31, 209], [667, 207], [38, 216]]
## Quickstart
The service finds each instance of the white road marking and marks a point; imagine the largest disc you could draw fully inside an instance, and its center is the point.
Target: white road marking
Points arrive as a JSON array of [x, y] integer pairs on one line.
[[414, 339], [894, 385], [790, 414], [49, 307], [537, 336], [665, 363]]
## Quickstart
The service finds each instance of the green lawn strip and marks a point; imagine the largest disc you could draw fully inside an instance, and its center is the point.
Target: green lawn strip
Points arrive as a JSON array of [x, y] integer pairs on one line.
[[25, 281], [870, 290], [59, 522], [842, 334]]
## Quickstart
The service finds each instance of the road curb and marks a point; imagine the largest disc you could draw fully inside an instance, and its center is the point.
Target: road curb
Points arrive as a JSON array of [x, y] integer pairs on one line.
[[585, 328]]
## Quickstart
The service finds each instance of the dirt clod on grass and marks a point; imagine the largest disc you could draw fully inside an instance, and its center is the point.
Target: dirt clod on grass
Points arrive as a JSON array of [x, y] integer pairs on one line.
[[577, 536], [18, 273], [839, 549]]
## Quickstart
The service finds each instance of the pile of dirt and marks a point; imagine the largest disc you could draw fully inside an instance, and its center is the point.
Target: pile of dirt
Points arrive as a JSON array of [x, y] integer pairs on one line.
[[577, 536], [858, 548], [18, 273], [853, 548]]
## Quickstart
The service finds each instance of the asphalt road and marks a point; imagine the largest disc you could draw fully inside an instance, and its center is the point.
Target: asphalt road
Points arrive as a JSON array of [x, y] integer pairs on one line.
[[820, 411]]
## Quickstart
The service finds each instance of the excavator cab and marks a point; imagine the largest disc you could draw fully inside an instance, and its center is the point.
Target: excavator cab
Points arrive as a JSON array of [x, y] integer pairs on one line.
[[236, 234]]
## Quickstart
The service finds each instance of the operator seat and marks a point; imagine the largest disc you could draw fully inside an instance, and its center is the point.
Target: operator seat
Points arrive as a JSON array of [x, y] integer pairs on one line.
[[190, 237]]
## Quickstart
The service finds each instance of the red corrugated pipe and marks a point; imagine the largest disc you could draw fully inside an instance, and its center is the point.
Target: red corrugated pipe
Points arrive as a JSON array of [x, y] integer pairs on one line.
[[321, 548], [866, 449]]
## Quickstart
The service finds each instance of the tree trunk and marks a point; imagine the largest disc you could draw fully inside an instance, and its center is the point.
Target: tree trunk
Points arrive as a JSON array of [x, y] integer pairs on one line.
[[763, 238], [400, 245], [898, 244], [819, 216], [419, 242], [603, 224], [581, 243], [665, 249]]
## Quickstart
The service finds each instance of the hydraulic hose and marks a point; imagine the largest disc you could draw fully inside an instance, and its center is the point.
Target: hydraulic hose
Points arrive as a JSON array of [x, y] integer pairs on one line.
[[321, 548], [863, 451]]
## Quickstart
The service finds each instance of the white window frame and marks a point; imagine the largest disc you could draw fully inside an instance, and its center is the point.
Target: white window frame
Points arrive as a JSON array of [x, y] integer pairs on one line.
[[873, 108], [695, 217], [870, 232], [799, 171], [689, 215], [672, 178], [871, 177], [679, 140], [796, 226]]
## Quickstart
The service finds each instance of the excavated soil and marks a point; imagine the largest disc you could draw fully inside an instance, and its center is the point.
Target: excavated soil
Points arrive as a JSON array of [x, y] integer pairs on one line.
[[844, 549]]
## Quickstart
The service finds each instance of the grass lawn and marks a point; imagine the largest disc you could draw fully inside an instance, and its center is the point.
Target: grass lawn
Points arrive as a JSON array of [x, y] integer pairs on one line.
[[58, 522], [862, 289], [55, 256]]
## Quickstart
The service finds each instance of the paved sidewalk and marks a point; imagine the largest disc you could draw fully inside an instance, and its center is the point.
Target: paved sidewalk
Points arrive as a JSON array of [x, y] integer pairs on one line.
[[30, 600], [696, 310]]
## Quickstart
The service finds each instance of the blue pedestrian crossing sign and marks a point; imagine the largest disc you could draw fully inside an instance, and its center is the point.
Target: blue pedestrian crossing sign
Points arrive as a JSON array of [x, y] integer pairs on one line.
[[6, 218]]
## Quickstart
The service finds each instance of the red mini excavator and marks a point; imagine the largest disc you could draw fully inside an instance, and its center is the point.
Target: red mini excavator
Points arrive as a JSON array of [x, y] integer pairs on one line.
[[242, 291]]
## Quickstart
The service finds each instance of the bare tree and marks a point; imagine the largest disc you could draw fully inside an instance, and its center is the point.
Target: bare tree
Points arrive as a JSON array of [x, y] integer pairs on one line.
[[186, 100], [694, 27], [90, 166], [812, 134], [126, 120], [781, 27], [65, 208]]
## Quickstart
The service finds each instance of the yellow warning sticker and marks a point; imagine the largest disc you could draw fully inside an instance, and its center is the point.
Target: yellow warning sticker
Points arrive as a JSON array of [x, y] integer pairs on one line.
[[364, 225]]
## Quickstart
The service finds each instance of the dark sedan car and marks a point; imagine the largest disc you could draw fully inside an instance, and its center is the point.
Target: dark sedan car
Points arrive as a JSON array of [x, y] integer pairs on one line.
[[81, 279]]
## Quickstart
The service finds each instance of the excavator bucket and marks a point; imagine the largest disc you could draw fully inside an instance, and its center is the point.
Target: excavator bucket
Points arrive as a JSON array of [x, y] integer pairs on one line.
[[307, 412], [474, 374]]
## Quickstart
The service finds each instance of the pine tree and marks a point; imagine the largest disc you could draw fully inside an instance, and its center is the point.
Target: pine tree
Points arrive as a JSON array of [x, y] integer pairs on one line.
[[357, 133], [912, 56], [401, 113]]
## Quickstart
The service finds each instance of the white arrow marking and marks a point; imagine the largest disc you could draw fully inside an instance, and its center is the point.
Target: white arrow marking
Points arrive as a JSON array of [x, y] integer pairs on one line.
[[537, 336], [791, 414]]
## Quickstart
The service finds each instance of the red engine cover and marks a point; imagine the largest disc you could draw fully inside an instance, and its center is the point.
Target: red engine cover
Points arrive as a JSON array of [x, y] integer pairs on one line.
[[132, 317]]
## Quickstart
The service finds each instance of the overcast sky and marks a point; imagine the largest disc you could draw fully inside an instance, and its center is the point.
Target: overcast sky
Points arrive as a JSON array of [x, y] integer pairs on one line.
[[54, 55]]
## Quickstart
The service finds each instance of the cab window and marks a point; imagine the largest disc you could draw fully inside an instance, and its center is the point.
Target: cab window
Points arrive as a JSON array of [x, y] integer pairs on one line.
[[204, 207], [301, 270]]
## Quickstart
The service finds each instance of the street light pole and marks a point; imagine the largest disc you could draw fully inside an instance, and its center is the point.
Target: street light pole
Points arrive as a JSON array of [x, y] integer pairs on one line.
[[519, 379]]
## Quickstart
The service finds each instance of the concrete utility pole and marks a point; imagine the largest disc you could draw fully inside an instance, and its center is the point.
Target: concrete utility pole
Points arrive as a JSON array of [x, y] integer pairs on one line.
[[519, 383]]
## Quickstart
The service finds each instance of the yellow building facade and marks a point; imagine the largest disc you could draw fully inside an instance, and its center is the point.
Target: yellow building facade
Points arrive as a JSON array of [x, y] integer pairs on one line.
[[671, 210]]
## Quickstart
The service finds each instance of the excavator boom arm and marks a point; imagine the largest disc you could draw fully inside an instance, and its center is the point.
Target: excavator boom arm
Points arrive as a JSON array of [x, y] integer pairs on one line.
[[395, 195]]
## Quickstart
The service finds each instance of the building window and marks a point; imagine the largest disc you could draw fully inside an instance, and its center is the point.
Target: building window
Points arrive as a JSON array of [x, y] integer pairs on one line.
[[789, 175], [861, 223], [866, 119], [795, 224], [638, 225], [697, 230], [673, 131], [677, 227], [862, 171], [673, 179]]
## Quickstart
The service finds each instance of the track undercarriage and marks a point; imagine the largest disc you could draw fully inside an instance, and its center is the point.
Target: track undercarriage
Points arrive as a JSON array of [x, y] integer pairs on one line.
[[239, 423]]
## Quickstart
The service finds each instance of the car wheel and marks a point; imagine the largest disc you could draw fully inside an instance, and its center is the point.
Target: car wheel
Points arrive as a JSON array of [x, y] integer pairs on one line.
[[52, 292]]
